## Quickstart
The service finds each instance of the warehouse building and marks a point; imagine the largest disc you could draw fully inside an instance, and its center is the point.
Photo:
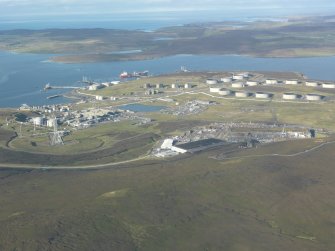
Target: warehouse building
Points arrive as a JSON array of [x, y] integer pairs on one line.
[[197, 146]]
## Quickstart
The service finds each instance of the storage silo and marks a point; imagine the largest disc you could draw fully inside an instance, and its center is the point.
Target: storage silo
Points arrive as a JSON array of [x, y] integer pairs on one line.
[[291, 82], [238, 77], [242, 94], [263, 95], [237, 85], [215, 89], [328, 85], [312, 83], [224, 92], [252, 83], [290, 96], [51, 122], [226, 79], [211, 81], [313, 97], [38, 121], [271, 81]]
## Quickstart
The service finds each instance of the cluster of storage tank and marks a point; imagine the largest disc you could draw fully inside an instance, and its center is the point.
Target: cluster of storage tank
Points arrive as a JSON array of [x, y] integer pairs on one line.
[[309, 97], [41, 121]]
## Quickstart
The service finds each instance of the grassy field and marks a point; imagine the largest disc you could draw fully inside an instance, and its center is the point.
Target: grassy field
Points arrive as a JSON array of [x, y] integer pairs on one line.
[[193, 203], [304, 37]]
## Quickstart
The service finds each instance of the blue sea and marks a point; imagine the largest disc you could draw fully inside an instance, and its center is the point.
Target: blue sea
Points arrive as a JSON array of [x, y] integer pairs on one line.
[[23, 76]]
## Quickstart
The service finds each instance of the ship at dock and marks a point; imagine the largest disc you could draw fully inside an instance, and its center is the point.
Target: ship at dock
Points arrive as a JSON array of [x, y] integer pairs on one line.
[[135, 74]]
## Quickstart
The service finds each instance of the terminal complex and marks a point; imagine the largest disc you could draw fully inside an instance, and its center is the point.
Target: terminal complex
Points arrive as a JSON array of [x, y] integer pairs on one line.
[[107, 102]]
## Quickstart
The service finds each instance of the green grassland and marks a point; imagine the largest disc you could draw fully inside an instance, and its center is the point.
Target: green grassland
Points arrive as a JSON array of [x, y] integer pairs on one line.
[[303, 37], [191, 203]]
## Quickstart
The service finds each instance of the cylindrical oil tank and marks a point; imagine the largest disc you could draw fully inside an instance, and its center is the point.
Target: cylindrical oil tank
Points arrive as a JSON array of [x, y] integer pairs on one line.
[[38, 121], [211, 81], [271, 81], [290, 96], [238, 77], [224, 92], [242, 94], [328, 85], [187, 86], [238, 85], [263, 95], [245, 74], [252, 83], [312, 83], [51, 122], [215, 89], [146, 86], [158, 86], [174, 86], [291, 82], [313, 97], [226, 79]]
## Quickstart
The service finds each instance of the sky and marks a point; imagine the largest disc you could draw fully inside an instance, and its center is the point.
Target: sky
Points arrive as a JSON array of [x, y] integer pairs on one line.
[[29, 9]]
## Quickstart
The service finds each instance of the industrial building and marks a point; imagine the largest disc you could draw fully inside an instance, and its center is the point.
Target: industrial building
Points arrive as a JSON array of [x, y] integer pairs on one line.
[[197, 146], [291, 96], [313, 97]]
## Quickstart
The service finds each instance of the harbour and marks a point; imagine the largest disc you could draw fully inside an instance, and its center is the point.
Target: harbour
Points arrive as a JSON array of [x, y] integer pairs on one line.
[[19, 83]]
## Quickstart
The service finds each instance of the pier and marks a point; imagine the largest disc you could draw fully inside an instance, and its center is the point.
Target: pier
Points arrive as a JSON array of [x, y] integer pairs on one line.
[[49, 87]]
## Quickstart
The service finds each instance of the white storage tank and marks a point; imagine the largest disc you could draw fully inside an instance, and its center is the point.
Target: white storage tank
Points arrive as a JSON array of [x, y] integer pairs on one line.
[[238, 77], [95, 87], [215, 89], [312, 83], [51, 122], [158, 86], [328, 85], [147, 86], [98, 97], [291, 82], [263, 95], [238, 85], [224, 92], [187, 86], [226, 79], [313, 97], [271, 81], [242, 94], [290, 96], [252, 83], [38, 121], [211, 81], [174, 86]]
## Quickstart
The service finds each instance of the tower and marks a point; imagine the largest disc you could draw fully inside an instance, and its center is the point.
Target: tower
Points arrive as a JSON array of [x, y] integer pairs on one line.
[[56, 136]]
